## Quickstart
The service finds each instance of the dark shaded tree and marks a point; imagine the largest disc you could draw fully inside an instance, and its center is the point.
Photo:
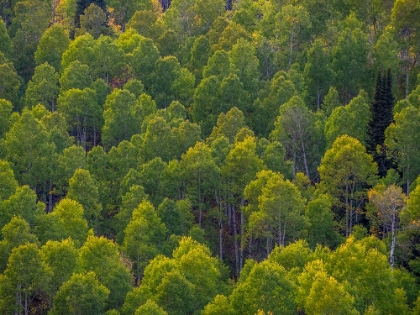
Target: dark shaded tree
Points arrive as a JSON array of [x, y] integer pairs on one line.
[[82, 5], [381, 111]]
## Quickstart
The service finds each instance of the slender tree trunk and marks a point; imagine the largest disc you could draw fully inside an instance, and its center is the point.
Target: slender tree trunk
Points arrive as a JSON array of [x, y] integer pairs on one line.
[[318, 98], [84, 133], [243, 240], [351, 216], [267, 70], [199, 200], [267, 247], [219, 204], [50, 196], [26, 304], [291, 46], [393, 240], [407, 76], [347, 210], [299, 135], [78, 135], [250, 246], [229, 215], [235, 240], [408, 175], [305, 162], [220, 238], [94, 136], [283, 240], [18, 299]]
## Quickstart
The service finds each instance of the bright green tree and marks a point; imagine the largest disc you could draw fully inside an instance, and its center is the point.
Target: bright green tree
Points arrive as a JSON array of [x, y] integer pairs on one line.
[[244, 63], [352, 119], [30, 22], [101, 256], [204, 109], [6, 44], [29, 149], [274, 157], [143, 61], [8, 181], [318, 72], [176, 216], [293, 256], [43, 87], [331, 101], [230, 35], [119, 119], [281, 90], [228, 125], [21, 203], [71, 159], [218, 64], [321, 229], [61, 259], [172, 292], [402, 148], [345, 170], [196, 268], [241, 166], [152, 175], [83, 189], [65, 221], [364, 265], [28, 276], [150, 308], [328, 296], [406, 26], [200, 173], [15, 233], [292, 29], [200, 53], [109, 62], [5, 116], [135, 87], [158, 140], [81, 49], [124, 10], [171, 82], [280, 212], [144, 236], [297, 129], [76, 75], [130, 201], [53, 43], [83, 114], [266, 286], [220, 305], [10, 81], [81, 294], [350, 55]]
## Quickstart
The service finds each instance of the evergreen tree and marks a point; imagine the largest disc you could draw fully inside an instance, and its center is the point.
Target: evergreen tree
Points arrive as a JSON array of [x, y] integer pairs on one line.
[[82, 5], [381, 117]]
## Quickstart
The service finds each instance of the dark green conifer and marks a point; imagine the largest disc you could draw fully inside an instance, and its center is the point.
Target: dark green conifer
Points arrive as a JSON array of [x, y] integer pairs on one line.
[[381, 117], [82, 5]]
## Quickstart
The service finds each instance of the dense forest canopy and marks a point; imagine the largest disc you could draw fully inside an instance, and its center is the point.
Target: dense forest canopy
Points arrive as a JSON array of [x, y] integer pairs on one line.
[[209, 157]]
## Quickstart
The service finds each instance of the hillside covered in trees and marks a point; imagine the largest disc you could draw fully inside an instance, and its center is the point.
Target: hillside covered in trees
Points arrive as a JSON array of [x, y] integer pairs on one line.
[[190, 157]]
